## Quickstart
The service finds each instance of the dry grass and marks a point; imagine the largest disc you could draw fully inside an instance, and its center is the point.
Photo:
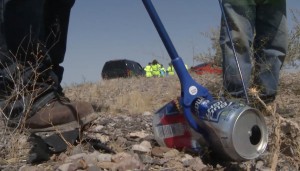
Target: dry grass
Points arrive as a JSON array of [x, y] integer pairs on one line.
[[130, 96], [135, 96]]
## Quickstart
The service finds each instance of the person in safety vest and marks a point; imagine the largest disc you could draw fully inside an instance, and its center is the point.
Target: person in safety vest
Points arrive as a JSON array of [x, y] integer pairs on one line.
[[162, 71], [170, 69], [148, 70], [155, 68]]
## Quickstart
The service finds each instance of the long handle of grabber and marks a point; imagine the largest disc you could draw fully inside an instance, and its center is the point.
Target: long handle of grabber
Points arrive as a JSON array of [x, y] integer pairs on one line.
[[190, 89], [160, 29], [234, 51]]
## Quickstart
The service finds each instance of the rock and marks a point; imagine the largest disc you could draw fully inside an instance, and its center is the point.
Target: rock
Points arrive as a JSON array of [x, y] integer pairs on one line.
[[76, 150], [171, 154], [106, 165], [147, 113], [104, 157], [121, 141], [76, 157], [141, 148], [162, 161], [92, 158], [31, 168], [103, 138], [98, 128], [64, 167], [130, 163], [139, 134], [61, 157], [174, 165], [93, 168], [197, 164], [146, 159], [265, 169], [187, 160], [259, 164], [120, 156], [159, 151], [145, 146]]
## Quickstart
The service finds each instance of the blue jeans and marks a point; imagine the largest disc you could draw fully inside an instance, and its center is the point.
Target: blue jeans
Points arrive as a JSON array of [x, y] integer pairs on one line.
[[259, 32]]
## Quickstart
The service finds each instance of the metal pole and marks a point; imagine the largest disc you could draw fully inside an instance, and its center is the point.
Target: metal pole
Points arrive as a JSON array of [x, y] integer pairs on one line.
[[234, 51]]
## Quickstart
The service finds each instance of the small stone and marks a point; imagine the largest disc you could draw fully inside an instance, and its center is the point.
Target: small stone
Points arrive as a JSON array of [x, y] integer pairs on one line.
[[120, 156], [265, 169], [76, 157], [98, 128], [30, 168], [62, 157], [129, 163], [259, 164], [186, 160], [197, 164], [106, 165], [104, 157], [171, 154], [103, 138], [64, 167], [139, 134], [76, 150], [121, 141], [159, 151], [145, 146], [93, 168], [146, 159], [91, 158], [147, 113]]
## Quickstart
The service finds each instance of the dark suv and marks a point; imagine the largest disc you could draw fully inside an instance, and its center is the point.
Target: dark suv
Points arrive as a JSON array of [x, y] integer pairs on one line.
[[121, 68]]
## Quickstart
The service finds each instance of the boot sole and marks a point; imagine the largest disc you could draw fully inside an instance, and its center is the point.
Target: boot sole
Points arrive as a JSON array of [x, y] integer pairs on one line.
[[68, 126]]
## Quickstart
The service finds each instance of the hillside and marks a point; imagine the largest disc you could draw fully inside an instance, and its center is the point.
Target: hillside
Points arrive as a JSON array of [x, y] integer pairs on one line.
[[124, 126]]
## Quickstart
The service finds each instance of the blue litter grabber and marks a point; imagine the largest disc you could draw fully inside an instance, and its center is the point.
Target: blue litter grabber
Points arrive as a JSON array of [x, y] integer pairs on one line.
[[190, 89], [233, 129]]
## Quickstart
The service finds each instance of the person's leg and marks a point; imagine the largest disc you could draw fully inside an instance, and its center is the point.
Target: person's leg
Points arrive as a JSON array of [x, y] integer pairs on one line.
[[4, 57], [57, 14], [34, 93], [240, 16], [270, 46], [23, 22], [22, 56]]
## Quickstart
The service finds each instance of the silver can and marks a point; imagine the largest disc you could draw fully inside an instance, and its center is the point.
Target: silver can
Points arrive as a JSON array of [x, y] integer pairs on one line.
[[234, 130]]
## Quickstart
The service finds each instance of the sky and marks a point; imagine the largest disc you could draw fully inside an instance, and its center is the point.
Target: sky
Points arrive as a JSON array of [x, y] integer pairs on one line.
[[102, 30]]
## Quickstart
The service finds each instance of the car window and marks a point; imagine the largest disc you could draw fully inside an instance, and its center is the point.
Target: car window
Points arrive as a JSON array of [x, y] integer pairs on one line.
[[121, 68], [140, 68], [130, 65]]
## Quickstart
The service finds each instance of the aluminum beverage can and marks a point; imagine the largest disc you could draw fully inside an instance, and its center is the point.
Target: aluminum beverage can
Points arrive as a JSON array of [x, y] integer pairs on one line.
[[233, 129]]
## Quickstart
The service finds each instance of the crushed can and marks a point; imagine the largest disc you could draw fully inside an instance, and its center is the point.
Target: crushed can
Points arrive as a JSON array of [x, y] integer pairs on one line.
[[231, 129], [172, 130]]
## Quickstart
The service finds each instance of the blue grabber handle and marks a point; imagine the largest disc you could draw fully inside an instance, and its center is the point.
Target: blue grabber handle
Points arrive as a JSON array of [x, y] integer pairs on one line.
[[190, 89]]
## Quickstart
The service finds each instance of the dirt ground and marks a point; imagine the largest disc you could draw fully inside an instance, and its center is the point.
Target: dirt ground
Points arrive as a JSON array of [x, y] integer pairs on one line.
[[124, 126]]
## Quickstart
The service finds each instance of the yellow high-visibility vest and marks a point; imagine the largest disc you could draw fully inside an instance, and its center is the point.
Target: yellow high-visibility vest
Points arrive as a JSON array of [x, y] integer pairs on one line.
[[170, 70], [148, 70], [156, 70]]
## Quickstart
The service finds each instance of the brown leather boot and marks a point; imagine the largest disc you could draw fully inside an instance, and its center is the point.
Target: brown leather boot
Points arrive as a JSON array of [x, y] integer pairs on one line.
[[59, 114]]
